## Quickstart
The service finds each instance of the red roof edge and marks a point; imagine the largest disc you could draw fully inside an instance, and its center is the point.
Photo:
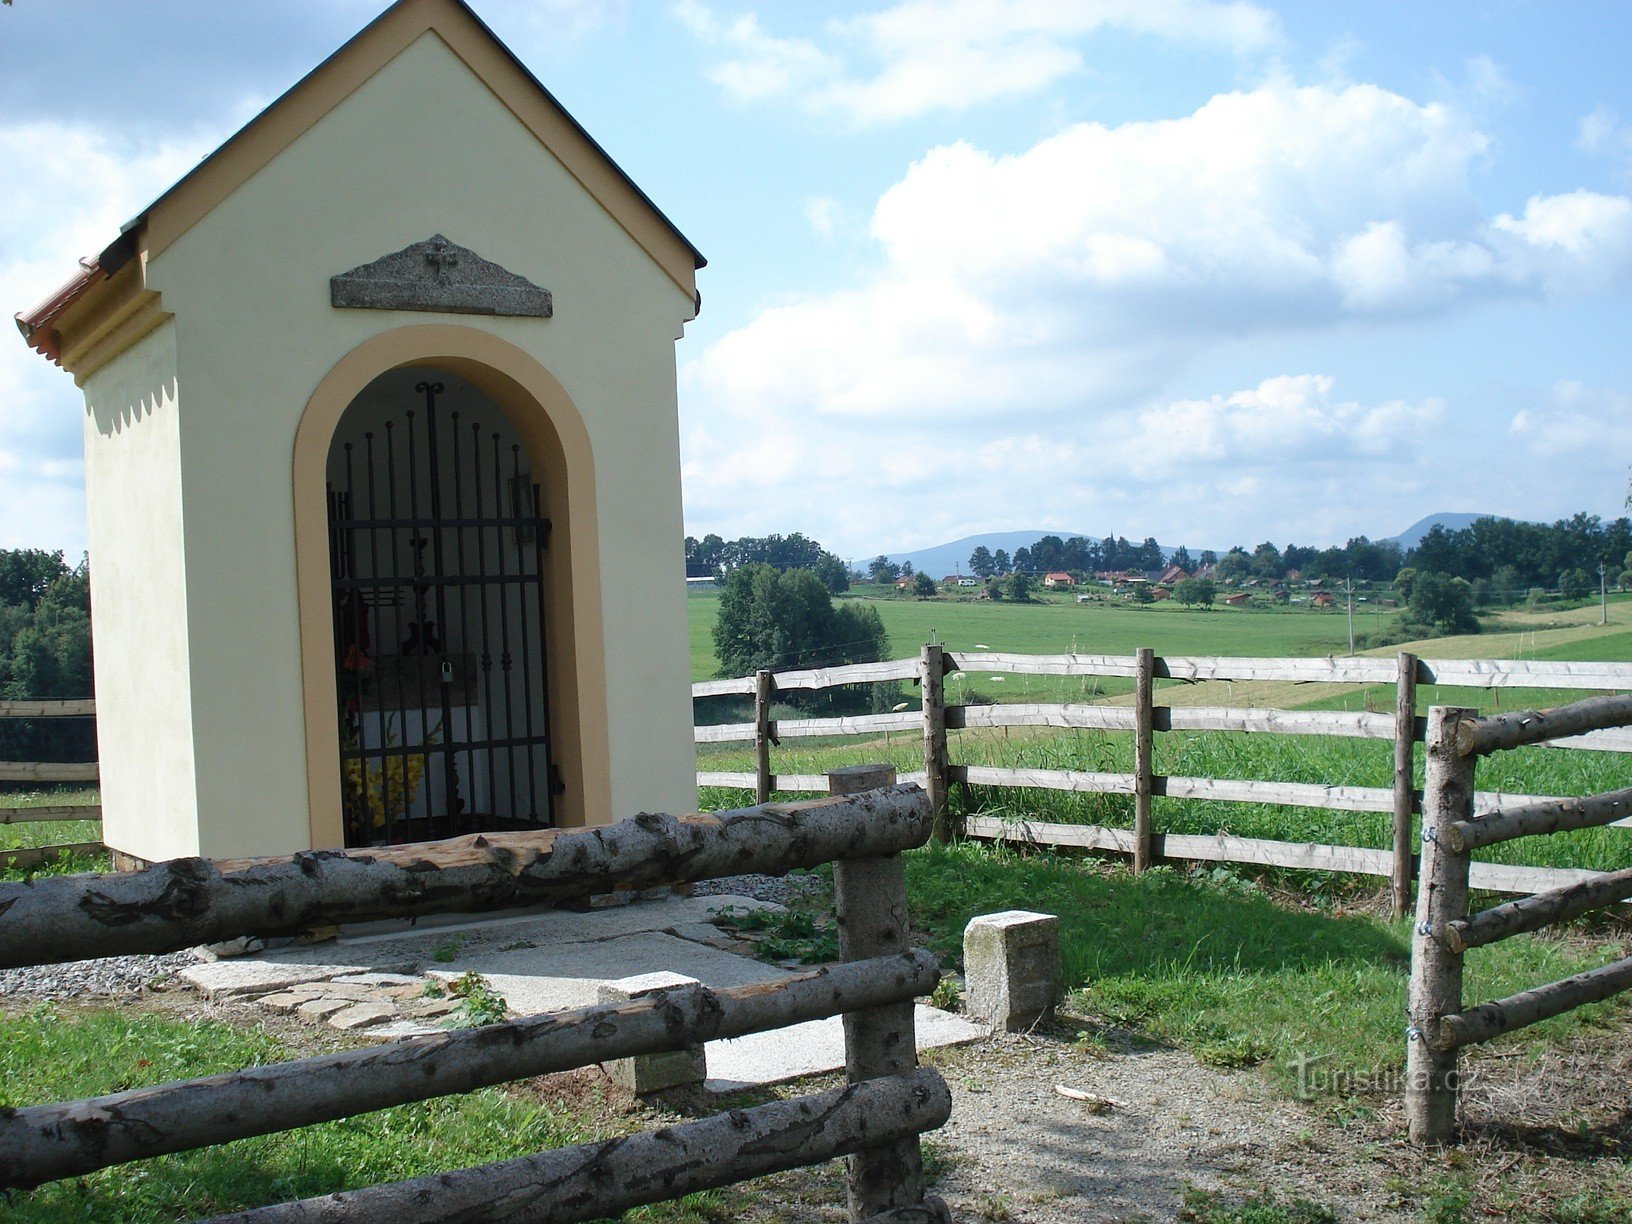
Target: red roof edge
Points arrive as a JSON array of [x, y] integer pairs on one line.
[[36, 324]]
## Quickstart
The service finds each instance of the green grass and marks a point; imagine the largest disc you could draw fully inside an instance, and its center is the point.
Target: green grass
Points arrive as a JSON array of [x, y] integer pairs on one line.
[[1209, 961], [50, 832], [54, 1054], [1058, 625]]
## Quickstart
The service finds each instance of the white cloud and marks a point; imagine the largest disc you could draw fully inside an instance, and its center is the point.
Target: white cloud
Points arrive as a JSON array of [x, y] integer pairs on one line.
[[1602, 134], [919, 56], [1040, 303], [824, 214], [1591, 429], [67, 190]]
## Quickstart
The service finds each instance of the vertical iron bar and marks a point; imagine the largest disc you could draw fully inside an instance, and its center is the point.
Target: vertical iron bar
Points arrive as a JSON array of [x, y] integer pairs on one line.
[[417, 543], [487, 647], [464, 609], [526, 650], [396, 589], [540, 546], [506, 662], [450, 766]]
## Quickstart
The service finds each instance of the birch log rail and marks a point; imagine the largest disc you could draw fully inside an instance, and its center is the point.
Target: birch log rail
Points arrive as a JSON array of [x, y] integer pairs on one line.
[[42, 1143], [596, 1180], [1439, 1023], [186, 902]]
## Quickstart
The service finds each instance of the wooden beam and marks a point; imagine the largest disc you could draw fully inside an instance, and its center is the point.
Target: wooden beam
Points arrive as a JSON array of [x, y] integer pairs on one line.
[[25, 857], [1434, 990], [186, 902], [1535, 912], [1357, 724], [48, 709], [1286, 794], [1536, 726], [596, 1180], [1074, 715], [764, 689], [1080, 780], [42, 1143], [47, 771], [1404, 732], [1328, 670], [34, 815], [1551, 816], [1533, 1006], [1526, 673], [1144, 759]]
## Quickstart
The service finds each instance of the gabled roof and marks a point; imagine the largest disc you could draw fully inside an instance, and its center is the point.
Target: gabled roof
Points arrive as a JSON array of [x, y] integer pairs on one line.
[[324, 88]]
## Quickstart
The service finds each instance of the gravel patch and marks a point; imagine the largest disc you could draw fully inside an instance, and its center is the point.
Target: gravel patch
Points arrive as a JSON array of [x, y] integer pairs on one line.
[[110, 975], [778, 890]]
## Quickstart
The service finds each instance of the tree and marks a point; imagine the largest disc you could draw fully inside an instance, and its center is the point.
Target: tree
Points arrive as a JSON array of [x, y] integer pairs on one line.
[[1194, 591], [1022, 561], [980, 562], [923, 586], [881, 570], [1209, 557], [1002, 565], [1442, 602], [45, 652], [1232, 566], [1141, 593], [1266, 561], [834, 573], [1575, 583], [1019, 587], [906, 569], [784, 619], [1181, 558]]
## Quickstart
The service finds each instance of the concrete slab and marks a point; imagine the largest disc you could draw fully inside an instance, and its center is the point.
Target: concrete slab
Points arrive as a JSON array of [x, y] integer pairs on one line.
[[814, 1047], [566, 975], [266, 973]]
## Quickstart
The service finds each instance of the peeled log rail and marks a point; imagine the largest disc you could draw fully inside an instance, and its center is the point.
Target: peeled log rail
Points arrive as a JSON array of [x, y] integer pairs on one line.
[[1526, 673], [594, 1180], [1529, 1007], [24, 857], [48, 771], [1534, 726], [1553, 816], [33, 815], [186, 902], [69, 708], [1541, 910], [43, 1143]]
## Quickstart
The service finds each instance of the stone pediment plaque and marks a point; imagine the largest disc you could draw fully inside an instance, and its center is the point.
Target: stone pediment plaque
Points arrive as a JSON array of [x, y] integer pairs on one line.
[[440, 276]]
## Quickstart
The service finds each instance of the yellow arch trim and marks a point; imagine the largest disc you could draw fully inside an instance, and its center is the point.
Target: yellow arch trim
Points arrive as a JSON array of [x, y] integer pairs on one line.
[[557, 443]]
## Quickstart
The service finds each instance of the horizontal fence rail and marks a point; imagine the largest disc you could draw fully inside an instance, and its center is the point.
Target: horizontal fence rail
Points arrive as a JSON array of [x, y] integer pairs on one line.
[[186, 902], [1403, 727], [875, 1119], [1440, 1024], [26, 858]]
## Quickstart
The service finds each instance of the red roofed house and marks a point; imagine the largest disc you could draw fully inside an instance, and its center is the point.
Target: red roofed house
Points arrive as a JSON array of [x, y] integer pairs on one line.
[[1059, 581]]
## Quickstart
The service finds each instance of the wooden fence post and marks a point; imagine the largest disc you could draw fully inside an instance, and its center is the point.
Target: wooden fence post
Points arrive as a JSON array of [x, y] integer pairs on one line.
[[1442, 898], [764, 687], [870, 896], [932, 686], [1144, 721], [1405, 755]]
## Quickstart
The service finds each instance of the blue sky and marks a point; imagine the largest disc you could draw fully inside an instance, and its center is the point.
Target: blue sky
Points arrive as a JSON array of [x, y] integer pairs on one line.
[[1213, 272]]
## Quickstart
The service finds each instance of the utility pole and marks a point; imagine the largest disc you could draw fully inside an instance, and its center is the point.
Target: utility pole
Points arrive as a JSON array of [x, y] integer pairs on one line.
[[1603, 596], [1348, 585]]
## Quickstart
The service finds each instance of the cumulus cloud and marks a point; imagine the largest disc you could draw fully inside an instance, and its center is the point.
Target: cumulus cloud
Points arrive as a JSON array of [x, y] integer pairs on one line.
[[919, 56], [68, 189], [1074, 274], [1040, 302], [1590, 428]]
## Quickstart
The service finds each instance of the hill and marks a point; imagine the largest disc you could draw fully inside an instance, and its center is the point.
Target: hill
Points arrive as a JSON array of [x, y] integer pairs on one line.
[[953, 558], [1409, 538]]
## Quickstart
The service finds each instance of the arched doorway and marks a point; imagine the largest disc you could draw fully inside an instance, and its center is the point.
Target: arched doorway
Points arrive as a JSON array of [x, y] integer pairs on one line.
[[437, 570]]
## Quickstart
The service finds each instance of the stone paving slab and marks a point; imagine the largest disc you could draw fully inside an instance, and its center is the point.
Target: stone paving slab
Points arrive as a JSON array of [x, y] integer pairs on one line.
[[814, 1047], [562, 976]]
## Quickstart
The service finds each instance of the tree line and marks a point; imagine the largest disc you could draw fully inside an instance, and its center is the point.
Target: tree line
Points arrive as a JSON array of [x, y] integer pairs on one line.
[[45, 652]]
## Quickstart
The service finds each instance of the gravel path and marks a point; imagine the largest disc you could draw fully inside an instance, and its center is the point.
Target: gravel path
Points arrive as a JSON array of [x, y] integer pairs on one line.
[[111, 975]]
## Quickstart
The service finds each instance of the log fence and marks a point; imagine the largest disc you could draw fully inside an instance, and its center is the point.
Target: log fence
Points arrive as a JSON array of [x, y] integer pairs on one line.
[[875, 1119], [47, 772], [1145, 718], [1441, 1024]]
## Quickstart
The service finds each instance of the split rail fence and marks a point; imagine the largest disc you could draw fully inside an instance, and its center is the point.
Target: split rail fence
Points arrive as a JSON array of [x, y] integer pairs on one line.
[[1440, 1023], [1145, 718], [875, 1119], [47, 772]]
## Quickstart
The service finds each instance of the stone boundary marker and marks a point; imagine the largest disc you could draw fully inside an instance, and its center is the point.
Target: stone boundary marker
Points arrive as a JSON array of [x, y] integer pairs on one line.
[[653, 1072], [1011, 968]]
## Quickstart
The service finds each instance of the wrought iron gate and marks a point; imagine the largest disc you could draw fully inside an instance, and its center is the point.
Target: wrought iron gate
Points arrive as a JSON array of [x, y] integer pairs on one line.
[[436, 542]]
